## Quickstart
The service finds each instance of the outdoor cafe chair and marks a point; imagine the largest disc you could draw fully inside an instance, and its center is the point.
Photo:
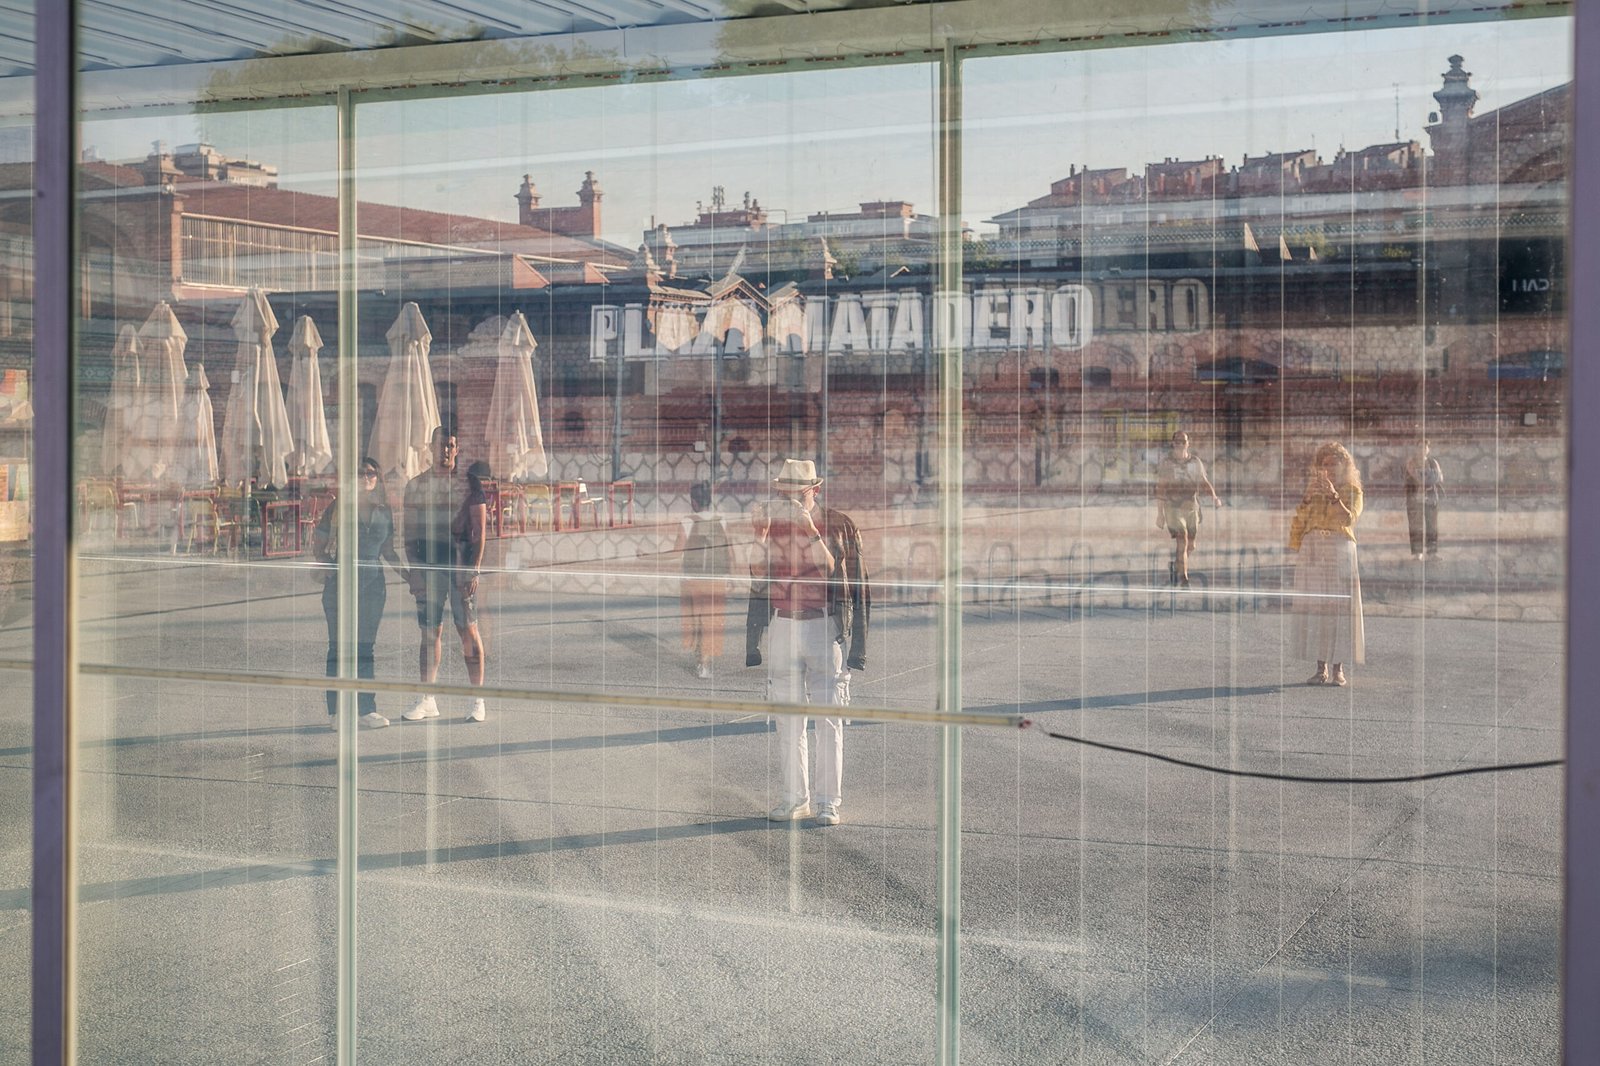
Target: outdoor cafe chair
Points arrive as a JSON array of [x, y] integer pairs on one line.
[[200, 519], [312, 507], [100, 497], [537, 509], [582, 500]]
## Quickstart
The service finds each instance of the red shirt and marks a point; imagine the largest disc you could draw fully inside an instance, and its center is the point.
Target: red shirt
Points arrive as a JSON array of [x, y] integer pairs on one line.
[[798, 570]]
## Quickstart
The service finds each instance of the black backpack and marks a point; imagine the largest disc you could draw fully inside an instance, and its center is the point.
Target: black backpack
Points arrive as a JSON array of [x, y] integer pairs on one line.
[[706, 553]]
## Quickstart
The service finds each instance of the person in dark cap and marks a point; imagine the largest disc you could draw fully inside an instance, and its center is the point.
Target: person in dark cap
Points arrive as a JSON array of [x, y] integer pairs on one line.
[[445, 532], [813, 595]]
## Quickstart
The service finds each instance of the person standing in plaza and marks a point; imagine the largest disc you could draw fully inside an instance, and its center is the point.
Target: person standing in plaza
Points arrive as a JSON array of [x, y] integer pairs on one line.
[[1424, 490], [706, 549], [446, 526], [1180, 478], [1327, 626], [374, 547], [817, 602]]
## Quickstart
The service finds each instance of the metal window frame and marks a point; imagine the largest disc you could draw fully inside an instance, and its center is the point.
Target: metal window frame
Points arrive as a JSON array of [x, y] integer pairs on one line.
[[1580, 1022], [54, 658]]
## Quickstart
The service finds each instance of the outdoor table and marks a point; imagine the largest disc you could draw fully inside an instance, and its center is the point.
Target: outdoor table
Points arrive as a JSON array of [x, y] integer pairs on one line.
[[312, 505], [138, 498], [612, 490], [491, 501], [561, 489], [511, 501], [280, 528]]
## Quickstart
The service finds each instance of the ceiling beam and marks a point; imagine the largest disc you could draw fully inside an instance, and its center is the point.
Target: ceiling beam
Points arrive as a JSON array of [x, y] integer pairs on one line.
[[869, 36]]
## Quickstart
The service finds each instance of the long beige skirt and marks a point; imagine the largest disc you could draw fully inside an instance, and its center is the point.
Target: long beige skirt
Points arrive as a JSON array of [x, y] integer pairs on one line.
[[1326, 624]]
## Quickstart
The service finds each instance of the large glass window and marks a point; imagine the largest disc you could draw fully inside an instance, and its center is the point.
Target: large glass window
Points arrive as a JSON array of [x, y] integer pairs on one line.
[[16, 529], [1197, 272], [490, 452], [206, 805]]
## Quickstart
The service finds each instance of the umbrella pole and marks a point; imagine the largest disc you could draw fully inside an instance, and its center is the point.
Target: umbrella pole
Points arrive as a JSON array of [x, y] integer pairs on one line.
[[716, 417], [616, 422]]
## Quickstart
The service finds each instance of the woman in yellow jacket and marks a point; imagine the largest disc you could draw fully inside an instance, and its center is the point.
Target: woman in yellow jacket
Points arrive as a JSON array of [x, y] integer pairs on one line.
[[1327, 624]]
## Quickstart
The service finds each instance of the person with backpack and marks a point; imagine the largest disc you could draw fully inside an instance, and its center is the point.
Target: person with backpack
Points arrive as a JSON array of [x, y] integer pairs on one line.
[[706, 549]]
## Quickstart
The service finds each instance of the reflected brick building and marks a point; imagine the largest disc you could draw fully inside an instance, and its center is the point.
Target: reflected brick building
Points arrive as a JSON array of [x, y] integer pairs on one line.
[[1285, 296]]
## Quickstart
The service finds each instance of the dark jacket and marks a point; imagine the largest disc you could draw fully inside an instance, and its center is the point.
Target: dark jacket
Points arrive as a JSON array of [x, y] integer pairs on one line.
[[849, 594]]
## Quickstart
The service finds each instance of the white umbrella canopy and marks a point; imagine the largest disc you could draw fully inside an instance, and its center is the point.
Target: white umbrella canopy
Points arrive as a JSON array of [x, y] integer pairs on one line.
[[513, 434], [164, 376], [256, 438], [122, 407], [308, 419], [196, 461], [408, 407]]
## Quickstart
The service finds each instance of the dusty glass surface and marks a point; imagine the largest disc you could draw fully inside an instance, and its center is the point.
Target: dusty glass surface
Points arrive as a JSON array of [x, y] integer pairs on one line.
[[205, 903], [706, 306], [1269, 246], [544, 447], [16, 571]]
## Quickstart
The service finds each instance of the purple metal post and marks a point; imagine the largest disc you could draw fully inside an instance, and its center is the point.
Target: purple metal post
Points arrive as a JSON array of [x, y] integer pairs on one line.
[[53, 664], [1581, 962]]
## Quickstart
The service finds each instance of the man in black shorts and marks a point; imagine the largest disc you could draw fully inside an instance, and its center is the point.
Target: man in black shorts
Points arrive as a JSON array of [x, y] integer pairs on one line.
[[445, 522]]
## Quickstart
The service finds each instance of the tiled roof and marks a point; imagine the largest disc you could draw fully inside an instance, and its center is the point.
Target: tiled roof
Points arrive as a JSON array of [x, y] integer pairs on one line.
[[464, 272], [1539, 108], [285, 207]]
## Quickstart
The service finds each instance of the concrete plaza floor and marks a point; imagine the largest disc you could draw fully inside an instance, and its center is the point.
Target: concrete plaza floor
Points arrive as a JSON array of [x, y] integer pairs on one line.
[[568, 883]]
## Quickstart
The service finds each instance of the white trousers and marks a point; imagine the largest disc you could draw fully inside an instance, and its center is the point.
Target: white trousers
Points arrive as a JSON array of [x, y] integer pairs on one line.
[[807, 666]]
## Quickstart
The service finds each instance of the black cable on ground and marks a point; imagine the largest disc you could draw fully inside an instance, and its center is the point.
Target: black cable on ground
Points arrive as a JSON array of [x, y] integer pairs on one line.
[[1304, 779]]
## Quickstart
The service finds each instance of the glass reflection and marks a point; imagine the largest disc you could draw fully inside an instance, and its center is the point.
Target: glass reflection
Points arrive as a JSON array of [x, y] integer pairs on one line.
[[16, 550], [611, 406], [1277, 498]]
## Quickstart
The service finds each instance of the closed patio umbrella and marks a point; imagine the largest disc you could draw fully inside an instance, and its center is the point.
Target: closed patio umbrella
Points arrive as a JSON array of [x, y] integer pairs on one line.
[[513, 434], [196, 462], [308, 419], [122, 407], [164, 376], [408, 407], [256, 438]]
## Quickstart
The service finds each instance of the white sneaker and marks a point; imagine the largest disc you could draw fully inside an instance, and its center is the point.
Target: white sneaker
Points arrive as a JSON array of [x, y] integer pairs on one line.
[[373, 720], [827, 814], [791, 812], [702, 671], [426, 707], [478, 712]]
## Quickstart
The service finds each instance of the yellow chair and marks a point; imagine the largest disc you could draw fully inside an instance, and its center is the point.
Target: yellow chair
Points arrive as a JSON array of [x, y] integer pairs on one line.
[[201, 519], [536, 498], [100, 498]]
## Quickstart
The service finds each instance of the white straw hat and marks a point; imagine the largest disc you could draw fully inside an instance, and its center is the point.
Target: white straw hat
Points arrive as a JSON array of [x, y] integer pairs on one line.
[[797, 474]]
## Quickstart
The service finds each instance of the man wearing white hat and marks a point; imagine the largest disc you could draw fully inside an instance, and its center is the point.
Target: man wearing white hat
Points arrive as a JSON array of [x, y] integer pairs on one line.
[[817, 604]]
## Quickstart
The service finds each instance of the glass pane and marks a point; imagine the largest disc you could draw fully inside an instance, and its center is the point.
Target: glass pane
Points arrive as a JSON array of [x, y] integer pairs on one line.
[[16, 528], [207, 810], [709, 286], [1269, 246]]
